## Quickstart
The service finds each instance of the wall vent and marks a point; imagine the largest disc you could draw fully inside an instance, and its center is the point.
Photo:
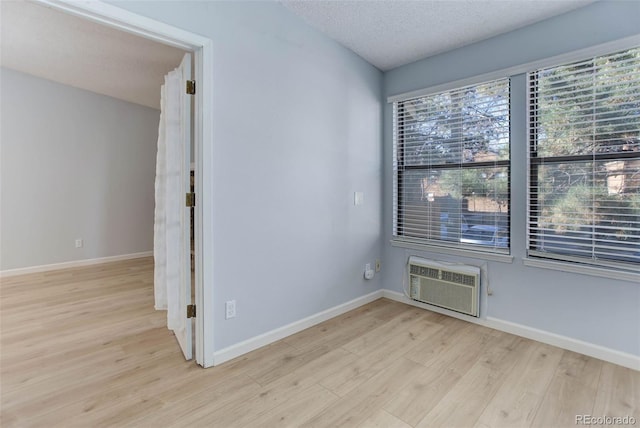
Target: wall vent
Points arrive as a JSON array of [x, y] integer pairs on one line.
[[450, 286]]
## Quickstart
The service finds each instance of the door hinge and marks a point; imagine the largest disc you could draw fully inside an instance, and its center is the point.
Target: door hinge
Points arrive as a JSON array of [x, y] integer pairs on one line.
[[191, 311], [191, 87], [190, 200]]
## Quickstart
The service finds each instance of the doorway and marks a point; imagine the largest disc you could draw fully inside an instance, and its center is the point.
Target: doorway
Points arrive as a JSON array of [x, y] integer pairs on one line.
[[201, 48]]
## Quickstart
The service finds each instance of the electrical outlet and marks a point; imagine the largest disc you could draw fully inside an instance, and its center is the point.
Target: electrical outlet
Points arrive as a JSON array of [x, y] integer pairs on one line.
[[79, 243], [367, 267], [378, 265], [230, 309]]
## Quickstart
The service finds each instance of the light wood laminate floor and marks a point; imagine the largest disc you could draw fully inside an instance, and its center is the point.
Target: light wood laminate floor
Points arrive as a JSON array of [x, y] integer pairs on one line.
[[84, 348]]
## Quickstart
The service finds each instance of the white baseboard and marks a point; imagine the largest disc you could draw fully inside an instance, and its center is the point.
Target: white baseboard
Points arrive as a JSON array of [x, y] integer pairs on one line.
[[264, 339], [596, 351], [73, 264]]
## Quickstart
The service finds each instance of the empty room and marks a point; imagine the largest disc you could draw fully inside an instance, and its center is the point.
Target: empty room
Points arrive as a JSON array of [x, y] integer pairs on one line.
[[329, 213]]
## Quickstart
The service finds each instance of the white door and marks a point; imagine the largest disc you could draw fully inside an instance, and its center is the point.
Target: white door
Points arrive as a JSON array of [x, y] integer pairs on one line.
[[183, 327]]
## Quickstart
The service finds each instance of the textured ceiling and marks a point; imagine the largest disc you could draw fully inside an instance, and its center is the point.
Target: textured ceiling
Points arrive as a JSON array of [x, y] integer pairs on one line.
[[53, 45], [387, 33], [390, 33]]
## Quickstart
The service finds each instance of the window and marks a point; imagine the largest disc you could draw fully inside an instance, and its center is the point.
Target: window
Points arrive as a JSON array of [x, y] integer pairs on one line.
[[585, 161], [451, 166]]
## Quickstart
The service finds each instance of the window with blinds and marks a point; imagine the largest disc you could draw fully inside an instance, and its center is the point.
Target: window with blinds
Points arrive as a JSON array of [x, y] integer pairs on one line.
[[585, 161], [451, 168]]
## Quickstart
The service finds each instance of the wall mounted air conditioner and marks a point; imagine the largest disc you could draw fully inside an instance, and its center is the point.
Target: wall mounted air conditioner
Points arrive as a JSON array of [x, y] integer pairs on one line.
[[450, 286]]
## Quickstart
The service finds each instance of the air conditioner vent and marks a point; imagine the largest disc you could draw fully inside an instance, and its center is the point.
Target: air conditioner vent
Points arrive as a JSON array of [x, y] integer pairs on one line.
[[458, 278], [454, 287], [425, 272]]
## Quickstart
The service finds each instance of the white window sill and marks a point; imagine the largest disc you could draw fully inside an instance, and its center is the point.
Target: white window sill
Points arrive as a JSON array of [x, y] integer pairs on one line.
[[582, 269], [481, 255]]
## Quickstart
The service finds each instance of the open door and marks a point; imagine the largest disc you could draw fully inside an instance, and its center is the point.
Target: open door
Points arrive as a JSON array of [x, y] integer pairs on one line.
[[185, 309], [172, 225]]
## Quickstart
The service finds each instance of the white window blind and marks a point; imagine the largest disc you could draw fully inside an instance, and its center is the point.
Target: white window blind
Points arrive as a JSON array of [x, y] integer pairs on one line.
[[585, 161], [451, 168]]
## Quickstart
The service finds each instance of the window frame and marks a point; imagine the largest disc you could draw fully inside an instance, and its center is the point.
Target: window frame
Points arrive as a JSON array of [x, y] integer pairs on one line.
[[521, 135], [554, 260], [400, 168]]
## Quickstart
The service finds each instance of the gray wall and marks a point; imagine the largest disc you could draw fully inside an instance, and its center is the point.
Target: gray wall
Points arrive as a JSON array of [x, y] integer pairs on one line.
[[297, 130], [74, 164], [593, 309]]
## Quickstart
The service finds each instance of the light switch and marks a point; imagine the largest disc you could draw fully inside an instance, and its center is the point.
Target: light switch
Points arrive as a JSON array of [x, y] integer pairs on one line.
[[358, 198]]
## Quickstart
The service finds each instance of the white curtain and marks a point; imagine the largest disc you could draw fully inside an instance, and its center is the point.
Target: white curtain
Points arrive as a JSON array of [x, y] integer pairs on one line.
[[167, 246]]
